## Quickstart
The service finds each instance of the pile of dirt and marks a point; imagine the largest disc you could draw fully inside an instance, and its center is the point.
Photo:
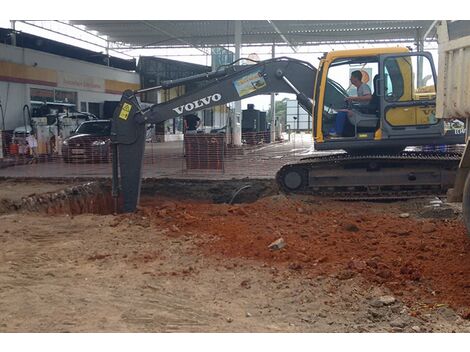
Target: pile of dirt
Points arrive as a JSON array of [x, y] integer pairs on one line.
[[424, 261]]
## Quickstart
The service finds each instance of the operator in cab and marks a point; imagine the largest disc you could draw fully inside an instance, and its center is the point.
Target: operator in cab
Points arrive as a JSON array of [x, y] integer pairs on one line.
[[364, 95]]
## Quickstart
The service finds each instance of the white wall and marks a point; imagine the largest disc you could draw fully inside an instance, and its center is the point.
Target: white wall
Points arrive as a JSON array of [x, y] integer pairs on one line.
[[220, 119], [13, 96], [303, 119]]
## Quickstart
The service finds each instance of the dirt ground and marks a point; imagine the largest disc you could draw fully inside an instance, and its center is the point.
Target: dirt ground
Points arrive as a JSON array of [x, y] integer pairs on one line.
[[194, 266]]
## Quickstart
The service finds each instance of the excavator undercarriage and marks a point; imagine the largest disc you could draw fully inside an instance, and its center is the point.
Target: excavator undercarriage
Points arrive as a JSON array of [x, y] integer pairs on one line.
[[371, 177]]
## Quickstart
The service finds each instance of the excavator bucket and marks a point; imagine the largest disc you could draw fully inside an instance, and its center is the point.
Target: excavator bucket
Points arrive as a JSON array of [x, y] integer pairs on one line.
[[128, 138]]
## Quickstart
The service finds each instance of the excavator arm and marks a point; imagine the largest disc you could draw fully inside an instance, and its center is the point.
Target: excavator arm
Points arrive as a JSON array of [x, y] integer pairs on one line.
[[228, 84]]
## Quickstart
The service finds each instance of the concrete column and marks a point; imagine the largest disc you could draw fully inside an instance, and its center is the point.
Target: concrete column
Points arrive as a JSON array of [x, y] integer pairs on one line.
[[419, 48], [107, 53], [237, 117], [13, 36], [274, 128], [2, 128]]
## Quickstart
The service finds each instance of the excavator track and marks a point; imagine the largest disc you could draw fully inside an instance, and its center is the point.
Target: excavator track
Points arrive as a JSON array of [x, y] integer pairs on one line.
[[371, 177]]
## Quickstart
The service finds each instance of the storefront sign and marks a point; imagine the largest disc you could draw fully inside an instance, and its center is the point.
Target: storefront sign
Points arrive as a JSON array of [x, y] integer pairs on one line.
[[69, 80]]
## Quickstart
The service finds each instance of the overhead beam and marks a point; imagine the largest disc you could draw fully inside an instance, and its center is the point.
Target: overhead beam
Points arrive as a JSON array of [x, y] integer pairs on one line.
[[174, 37], [29, 23], [300, 39], [202, 35], [108, 43], [253, 45], [431, 27], [283, 36]]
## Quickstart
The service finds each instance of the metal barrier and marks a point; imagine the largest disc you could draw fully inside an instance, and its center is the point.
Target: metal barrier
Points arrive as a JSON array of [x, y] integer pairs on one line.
[[197, 156], [204, 151]]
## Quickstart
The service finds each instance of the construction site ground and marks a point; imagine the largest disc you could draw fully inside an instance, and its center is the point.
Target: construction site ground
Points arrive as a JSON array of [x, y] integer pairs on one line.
[[185, 265]]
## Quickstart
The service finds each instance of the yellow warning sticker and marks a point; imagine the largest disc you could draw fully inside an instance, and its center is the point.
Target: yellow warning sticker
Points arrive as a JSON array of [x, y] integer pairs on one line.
[[126, 108]]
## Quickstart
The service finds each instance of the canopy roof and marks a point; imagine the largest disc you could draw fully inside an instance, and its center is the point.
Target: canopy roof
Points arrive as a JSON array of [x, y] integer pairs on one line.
[[201, 33]]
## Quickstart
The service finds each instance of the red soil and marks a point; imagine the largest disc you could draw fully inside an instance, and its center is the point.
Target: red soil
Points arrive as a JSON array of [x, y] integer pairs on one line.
[[426, 262]]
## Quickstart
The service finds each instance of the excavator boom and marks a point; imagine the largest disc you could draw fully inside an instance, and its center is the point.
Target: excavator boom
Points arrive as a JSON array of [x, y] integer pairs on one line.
[[231, 83]]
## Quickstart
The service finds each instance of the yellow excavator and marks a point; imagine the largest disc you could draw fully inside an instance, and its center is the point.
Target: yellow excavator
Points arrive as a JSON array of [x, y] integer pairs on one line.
[[400, 113]]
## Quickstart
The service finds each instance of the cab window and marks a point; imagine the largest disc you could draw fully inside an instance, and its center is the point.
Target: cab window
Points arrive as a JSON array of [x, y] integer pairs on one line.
[[409, 78]]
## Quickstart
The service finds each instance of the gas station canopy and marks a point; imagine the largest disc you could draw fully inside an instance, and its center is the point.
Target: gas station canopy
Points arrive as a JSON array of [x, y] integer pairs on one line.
[[200, 33]]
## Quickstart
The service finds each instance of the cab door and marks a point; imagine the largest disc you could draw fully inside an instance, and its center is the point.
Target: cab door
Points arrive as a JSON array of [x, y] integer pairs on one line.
[[408, 94]]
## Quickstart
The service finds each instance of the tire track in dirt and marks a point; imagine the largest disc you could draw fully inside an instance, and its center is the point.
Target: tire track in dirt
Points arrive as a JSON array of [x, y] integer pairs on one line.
[[64, 269]]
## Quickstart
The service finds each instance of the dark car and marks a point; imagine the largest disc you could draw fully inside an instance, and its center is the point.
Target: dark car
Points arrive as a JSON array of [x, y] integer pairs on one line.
[[90, 142]]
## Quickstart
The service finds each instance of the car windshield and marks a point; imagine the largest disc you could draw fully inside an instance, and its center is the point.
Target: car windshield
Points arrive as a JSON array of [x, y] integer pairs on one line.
[[95, 128]]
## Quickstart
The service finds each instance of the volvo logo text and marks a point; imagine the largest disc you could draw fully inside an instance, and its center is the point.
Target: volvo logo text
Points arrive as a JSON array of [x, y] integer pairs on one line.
[[197, 103]]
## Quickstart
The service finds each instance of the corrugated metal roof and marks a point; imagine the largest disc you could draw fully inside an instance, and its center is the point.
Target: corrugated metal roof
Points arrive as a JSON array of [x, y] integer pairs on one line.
[[201, 33]]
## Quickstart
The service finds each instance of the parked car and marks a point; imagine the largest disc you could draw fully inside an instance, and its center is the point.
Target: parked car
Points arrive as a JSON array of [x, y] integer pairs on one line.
[[66, 123], [90, 142]]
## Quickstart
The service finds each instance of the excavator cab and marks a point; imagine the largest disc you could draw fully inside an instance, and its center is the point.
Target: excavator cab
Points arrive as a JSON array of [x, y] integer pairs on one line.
[[400, 113]]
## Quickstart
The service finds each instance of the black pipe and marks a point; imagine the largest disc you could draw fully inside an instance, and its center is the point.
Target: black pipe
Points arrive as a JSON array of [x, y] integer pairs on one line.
[[305, 102], [200, 77], [177, 82], [238, 191]]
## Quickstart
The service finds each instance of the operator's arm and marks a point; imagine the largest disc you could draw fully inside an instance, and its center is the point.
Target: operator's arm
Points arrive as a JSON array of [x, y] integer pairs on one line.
[[361, 99]]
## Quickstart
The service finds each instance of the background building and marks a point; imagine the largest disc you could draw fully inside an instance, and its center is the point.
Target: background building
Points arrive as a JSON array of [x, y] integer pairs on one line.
[[297, 119], [30, 75]]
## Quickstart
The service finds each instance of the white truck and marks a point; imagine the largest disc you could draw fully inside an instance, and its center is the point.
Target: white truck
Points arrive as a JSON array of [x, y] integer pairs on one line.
[[453, 97]]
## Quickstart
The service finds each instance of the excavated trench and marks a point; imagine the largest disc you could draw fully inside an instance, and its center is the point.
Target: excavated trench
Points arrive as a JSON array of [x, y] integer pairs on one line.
[[88, 197], [95, 197]]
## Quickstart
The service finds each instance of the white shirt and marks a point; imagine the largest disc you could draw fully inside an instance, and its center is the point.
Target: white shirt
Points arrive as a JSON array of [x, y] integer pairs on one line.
[[363, 90], [32, 142]]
